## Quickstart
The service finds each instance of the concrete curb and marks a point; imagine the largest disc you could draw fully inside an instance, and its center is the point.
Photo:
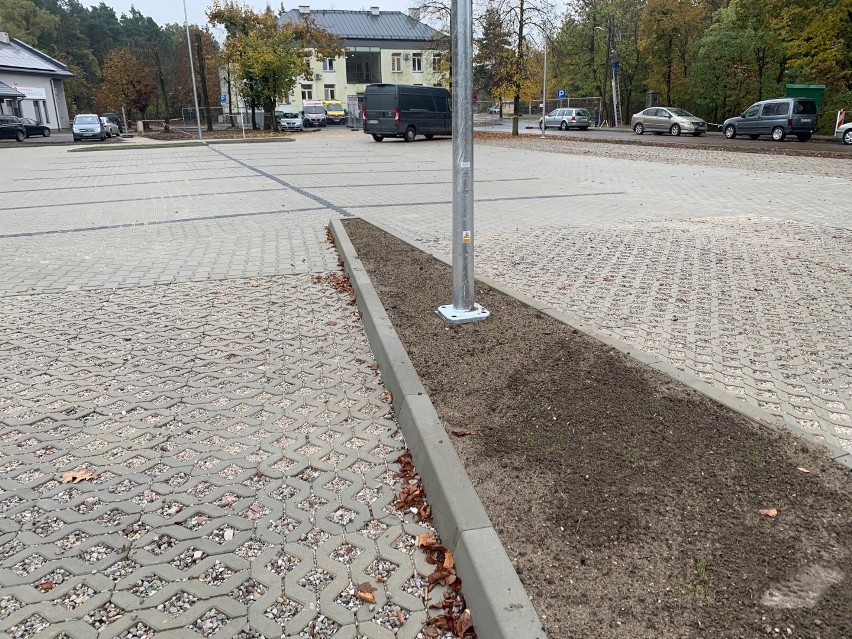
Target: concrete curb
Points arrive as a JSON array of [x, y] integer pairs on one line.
[[754, 413], [497, 600]]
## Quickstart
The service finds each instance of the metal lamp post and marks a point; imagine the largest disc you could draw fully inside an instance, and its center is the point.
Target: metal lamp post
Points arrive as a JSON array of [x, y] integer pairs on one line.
[[544, 91], [463, 309], [192, 71]]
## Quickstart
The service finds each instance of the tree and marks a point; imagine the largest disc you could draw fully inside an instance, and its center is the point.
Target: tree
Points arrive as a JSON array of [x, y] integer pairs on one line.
[[22, 19], [270, 58], [128, 81], [492, 63]]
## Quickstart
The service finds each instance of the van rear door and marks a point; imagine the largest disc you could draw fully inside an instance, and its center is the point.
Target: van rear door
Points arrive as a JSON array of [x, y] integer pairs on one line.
[[804, 115], [380, 109]]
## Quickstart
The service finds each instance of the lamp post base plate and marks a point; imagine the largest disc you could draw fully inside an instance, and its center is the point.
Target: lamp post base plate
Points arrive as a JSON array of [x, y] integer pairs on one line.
[[453, 315]]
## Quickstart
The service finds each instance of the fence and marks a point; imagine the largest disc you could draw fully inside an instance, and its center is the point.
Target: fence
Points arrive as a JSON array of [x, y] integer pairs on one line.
[[489, 112]]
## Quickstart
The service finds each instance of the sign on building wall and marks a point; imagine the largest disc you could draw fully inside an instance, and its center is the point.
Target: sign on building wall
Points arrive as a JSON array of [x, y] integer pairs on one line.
[[32, 93]]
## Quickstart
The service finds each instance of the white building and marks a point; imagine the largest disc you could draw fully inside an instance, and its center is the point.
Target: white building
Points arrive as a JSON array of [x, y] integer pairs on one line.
[[31, 84], [380, 46]]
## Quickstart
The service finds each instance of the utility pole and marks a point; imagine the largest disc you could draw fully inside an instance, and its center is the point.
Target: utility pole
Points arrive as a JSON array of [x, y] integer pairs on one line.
[[463, 309], [192, 73]]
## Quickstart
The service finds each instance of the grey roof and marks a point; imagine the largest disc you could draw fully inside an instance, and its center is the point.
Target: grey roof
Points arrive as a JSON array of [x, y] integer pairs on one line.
[[22, 58], [8, 92], [363, 25]]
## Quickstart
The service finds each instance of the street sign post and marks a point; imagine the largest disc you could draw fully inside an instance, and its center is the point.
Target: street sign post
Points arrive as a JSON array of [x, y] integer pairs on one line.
[[561, 93], [223, 98]]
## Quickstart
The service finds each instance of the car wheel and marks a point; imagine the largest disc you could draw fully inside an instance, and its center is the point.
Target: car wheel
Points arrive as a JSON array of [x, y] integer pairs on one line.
[[46, 133], [378, 138], [675, 130], [20, 136], [639, 128], [429, 136], [753, 136], [410, 134], [804, 137], [563, 126], [847, 136], [730, 132], [778, 134]]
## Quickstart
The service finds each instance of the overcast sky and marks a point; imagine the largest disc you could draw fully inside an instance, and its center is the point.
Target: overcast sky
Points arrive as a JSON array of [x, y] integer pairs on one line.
[[165, 11]]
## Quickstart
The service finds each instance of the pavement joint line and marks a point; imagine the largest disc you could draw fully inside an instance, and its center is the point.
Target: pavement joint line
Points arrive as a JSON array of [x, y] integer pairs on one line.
[[158, 182], [488, 199], [278, 180], [181, 220], [720, 396], [499, 604], [176, 143]]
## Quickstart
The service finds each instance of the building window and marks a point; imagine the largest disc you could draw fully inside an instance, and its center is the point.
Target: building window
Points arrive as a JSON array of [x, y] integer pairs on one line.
[[328, 92], [417, 62], [436, 62], [328, 64], [396, 62], [307, 92]]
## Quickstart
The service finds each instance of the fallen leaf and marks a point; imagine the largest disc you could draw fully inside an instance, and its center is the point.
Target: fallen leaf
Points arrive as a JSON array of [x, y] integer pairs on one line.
[[381, 580], [802, 469], [425, 540], [76, 476], [388, 397], [366, 596], [331, 323], [769, 512], [365, 587], [465, 433], [46, 585], [373, 367], [449, 561], [463, 623]]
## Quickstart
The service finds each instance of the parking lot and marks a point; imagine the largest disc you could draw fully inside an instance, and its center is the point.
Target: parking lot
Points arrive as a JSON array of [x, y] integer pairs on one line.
[[166, 321]]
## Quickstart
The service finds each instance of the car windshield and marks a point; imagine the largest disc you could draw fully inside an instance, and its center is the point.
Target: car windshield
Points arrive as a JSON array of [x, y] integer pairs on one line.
[[290, 116], [86, 119], [682, 113], [314, 109], [334, 106]]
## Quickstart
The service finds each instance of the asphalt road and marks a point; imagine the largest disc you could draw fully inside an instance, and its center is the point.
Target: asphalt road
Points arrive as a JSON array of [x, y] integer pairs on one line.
[[790, 145]]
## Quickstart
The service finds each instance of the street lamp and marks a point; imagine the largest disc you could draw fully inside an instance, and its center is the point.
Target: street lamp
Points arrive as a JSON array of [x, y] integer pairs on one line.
[[192, 71], [544, 90]]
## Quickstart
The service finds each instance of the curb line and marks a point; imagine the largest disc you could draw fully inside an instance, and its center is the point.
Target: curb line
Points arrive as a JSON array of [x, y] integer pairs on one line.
[[732, 402], [176, 143], [500, 606]]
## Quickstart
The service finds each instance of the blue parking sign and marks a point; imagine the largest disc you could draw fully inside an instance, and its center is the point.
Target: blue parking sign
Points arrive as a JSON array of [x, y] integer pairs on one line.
[[223, 98], [560, 93]]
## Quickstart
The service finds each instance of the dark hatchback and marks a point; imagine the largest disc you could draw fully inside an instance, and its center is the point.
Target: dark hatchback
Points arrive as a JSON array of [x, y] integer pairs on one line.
[[12, 128], [113, 117], [35, 128]]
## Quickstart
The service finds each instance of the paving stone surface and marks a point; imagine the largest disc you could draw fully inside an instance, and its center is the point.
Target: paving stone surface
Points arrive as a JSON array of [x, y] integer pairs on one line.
[[164, 322], [186, 347]]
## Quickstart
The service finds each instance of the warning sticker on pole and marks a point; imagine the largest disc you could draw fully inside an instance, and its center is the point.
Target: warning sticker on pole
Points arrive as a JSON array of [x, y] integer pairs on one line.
[[466, 237]]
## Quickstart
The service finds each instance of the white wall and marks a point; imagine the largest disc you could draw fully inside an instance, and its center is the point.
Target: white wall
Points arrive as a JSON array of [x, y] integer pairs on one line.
[[53, 109]]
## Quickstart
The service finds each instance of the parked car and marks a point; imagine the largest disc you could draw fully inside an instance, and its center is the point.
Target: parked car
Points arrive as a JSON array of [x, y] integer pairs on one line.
[[289, 121], [12, 127], [672, 120], [87, 125], [567, 119], [778, 117], [844, 133], [110, 127], [35, 128], [495, 109], [406, 110], [113, 117], [313, 113], [334, 112]]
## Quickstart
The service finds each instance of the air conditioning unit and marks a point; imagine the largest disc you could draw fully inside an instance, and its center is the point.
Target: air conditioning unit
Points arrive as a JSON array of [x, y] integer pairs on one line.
[[317, 76], [406, 56]]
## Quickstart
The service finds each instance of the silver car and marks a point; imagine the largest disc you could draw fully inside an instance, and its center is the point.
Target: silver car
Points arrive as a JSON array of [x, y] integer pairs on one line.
[[110, 127], [289, 121], [567, 119], [672, 120], [844, 133]]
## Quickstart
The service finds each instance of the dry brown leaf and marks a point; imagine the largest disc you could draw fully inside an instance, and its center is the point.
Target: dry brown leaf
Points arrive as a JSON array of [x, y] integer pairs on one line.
[[463, 624], [381, 580], [769, 512], [46, 585], [388, 397], [369, 597], [424, 540], [365, 587], [465, 433], [449, 562], [802, 469], [76, 476]]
